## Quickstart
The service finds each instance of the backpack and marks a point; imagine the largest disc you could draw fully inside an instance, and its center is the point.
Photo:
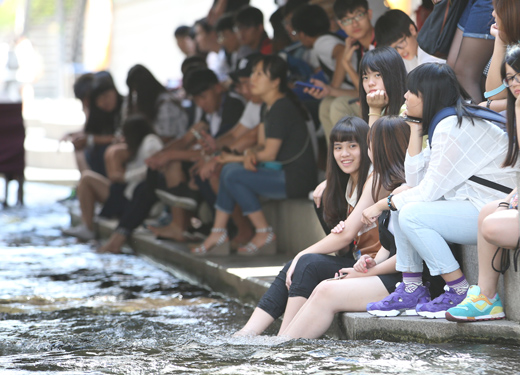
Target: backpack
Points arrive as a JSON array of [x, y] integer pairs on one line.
[[483, 113]]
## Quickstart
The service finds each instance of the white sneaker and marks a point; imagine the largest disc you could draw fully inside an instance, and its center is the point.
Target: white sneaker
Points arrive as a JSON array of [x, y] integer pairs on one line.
[[171, 200], [81, 232]]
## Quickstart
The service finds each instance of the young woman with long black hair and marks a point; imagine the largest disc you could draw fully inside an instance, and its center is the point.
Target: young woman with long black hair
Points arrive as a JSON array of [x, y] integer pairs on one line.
[[442, 203]]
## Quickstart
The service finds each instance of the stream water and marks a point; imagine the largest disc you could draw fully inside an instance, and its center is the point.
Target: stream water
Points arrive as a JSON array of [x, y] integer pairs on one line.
[[65, 309]]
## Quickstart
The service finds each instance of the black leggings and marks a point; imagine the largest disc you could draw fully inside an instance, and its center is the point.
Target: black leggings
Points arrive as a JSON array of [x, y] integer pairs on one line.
[[142, 201], [310, 270]]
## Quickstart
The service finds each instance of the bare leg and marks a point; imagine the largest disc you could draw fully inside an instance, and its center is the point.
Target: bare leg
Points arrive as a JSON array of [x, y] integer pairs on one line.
[[331, 297], [81, 161], [294, 304], [257, 323], [92, 188], [114, 244], [116, 157], [473, 56], [174, 174], [497, 229], [244, 229]]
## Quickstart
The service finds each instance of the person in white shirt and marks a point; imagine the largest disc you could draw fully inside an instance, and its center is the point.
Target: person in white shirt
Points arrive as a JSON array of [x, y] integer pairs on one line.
[[397, 30], [141, 143], [207, 41], [440, 203]]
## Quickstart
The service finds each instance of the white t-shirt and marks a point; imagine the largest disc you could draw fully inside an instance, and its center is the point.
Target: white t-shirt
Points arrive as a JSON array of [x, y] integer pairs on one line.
[[217, 62], [323, 48], [135, 170], [251, 116], [421, 58]]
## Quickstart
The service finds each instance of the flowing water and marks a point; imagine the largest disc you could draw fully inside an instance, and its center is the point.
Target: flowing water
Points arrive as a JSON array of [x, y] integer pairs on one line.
[[65, 309]]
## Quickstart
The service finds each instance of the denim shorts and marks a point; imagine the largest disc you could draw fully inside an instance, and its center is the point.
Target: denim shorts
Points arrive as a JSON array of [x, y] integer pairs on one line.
[[477, 18]]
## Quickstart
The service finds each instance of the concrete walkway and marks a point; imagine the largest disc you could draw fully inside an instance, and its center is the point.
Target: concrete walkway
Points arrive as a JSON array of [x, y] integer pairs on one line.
[[247, 279]]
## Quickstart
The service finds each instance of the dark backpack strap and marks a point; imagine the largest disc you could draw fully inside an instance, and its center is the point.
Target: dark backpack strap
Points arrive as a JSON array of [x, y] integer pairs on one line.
[[491, 184], [484, 113], [481, 112]]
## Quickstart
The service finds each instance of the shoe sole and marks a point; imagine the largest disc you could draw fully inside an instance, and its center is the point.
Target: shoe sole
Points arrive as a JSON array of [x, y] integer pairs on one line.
[[218, 250], [176, 201], [432, 315], [464, 319], [390, 313]]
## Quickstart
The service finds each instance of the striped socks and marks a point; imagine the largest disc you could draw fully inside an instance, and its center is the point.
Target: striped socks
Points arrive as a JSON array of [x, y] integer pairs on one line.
[[460, 285], [412, 281]]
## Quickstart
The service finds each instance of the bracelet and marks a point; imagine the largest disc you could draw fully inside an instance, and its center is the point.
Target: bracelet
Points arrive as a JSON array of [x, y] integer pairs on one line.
[[503, 204], [488, 104], [390, 205], [374, 114]]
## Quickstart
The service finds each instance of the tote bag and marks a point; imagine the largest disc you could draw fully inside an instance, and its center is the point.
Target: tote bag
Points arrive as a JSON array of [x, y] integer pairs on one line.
[[439, 28]]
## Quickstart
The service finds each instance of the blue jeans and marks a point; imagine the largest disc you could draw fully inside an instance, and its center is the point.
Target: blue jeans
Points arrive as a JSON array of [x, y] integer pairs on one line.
[[242, 187], [476, 20], [421, 230]]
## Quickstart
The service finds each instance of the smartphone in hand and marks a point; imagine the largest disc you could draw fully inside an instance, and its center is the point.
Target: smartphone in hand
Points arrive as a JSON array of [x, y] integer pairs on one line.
[[415, 120]]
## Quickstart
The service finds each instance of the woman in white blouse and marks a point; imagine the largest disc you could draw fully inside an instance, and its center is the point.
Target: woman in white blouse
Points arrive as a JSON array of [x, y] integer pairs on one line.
[[141, 142], [439, 203]]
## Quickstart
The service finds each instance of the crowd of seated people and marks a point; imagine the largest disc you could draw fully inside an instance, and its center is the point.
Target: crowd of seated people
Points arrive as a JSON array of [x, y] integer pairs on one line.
[[415, 158]]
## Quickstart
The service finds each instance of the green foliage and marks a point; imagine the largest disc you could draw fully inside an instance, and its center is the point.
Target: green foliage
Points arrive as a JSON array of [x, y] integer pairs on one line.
[[43, 10], [7, 14]]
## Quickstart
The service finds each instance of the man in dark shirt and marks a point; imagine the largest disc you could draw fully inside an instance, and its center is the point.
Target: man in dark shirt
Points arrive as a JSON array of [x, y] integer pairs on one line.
[[222, 110]]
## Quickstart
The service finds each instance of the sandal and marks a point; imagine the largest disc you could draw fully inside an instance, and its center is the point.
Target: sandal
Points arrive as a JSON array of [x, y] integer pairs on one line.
[[220, 248], [268, 248]]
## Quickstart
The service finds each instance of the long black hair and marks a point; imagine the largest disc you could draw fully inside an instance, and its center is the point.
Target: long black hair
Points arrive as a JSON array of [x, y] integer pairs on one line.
[[100, 121], [388, 62], [135, 128], [276, 68], [348, 129], [513, 60], [146, 88], [439, 88], [388, 139]]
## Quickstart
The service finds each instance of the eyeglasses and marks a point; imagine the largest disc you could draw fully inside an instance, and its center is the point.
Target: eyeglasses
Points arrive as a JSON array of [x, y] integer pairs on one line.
[[358, 17], [402, 44], [508, 81]]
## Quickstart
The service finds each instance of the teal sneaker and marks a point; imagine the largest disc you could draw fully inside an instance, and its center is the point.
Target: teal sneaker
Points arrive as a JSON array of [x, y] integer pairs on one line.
[[476, 306]]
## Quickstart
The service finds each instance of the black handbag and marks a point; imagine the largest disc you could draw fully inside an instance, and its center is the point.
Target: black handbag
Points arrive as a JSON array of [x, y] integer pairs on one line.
[[439, 28]]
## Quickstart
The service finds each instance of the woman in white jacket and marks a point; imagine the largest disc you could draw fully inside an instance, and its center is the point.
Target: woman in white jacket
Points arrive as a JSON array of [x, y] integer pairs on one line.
[[141, 143], [441, 204]]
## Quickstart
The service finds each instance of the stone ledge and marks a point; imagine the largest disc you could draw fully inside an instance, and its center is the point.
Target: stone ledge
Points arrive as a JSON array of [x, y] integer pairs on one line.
[[363, 326], [247, 279]]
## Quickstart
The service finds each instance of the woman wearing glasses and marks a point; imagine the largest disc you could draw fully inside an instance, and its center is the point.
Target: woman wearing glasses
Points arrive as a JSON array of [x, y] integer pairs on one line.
[[498, 220]]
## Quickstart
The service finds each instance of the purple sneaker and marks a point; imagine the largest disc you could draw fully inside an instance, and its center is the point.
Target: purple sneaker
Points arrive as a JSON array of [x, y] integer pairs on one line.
[[436, 308], [400, 302]]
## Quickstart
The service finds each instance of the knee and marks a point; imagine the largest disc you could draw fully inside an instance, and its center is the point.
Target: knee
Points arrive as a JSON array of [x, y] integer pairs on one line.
[[491, 229], [325, 291], [306, 260], [409, 215], [487, 210]]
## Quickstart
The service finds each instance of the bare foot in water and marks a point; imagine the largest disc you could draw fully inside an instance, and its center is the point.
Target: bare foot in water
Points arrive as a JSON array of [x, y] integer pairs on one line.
[[245, 333], [168, 232], [113, 245]]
